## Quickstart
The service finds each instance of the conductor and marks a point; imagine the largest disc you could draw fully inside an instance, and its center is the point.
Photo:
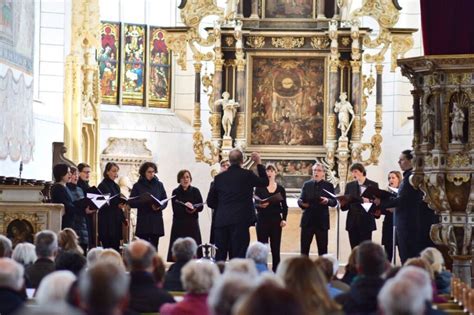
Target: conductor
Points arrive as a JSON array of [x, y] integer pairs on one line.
[[231, 197]]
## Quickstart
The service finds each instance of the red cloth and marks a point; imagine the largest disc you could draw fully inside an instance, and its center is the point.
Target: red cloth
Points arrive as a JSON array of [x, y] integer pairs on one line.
[[192, 304], [447, 26]]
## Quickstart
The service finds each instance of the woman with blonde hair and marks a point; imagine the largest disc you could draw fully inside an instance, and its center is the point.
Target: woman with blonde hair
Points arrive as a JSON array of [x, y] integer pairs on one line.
[[425, 265], [442, 276], [69, 241], [306, 281]]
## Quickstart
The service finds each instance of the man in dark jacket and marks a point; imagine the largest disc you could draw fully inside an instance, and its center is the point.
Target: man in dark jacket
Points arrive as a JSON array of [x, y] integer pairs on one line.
[[183, 250], [371, 262], [314, 201], [145, 295], [231, 197], [11, 283], [83, 182], [46, 247], [359, 223]]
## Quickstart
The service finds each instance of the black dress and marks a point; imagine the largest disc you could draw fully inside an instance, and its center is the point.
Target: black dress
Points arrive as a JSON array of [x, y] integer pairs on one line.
[[111, 218], [184, 223], [62, 194], [149, 222], [269, 219], [89, 217], [79, 223]]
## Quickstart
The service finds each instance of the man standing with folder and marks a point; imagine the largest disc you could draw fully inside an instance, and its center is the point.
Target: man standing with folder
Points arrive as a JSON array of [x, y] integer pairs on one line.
[[314, 202], [360, 222]]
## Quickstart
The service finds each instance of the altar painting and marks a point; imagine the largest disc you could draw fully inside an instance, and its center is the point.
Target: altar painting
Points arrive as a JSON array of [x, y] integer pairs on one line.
[[301, 9]]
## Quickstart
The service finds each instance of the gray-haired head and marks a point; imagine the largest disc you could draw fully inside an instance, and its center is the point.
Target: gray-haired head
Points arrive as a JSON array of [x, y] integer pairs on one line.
[[242, 266], [93, 255], [198, 276], [55, 287], [420, 279], [226, 291], [184, 249], [139, 255], [46, 244], [236, 157], [5, 246], [11, 274], [396, 291], [258, 252], [103, 287], [24, 253]]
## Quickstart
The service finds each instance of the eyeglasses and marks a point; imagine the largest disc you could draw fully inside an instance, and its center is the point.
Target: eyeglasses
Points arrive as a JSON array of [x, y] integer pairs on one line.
[[318, 170]]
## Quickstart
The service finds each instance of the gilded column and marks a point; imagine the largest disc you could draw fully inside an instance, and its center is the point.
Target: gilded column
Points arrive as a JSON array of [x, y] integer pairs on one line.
[[331, 143], [240, 87], [197, 96]]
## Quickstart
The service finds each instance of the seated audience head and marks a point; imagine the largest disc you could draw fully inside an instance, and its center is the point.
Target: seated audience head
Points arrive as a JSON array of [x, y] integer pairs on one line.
[[227, 290], [242, 266], [103, 288], [351, 266], [236, 157], [258, 252], [5, 246], [420, 279], [24, 253], [61, 173], [420, 263], [84, 171], [46, 244], [11, 274], [198, 276], [159, 270], [434, 257], [334, 261], [68, 240], [148, 170], [111, 256], [139, 256], [269, 298], [111, 171], [93, 255], [70, 260], [371, 259], [304, 279], [400, 297], [55, 287], [326, 267], [184, 249]]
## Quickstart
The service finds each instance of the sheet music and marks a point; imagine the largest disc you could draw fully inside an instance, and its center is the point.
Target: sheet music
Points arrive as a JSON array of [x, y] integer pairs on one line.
[[393, 189], [330, 193], [362, 189], [366, 206]]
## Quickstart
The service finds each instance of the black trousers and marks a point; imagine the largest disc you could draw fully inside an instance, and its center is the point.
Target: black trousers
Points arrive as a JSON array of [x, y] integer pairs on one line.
[[407, 244], [307, 234], [150, 238], [111, 242], [357, 236], [233, 240], [269, 231]]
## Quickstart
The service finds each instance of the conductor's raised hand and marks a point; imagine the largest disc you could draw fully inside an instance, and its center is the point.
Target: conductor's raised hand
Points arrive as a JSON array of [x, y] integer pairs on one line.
[[256, 157]]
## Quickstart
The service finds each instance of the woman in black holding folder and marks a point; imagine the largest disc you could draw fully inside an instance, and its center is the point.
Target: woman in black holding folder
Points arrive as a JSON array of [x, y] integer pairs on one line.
[[271, 214], [149, 215], [111, 216], [187, 203]]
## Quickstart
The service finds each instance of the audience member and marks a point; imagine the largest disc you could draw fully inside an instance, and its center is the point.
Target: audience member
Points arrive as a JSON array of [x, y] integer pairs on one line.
[[71, 261], [93, 255], [184, 249], [159, 271], [425, 265], [258, 252], [11, 284], [112, 256], [5, 247], [350, 270], [145, 296], [400, 290], [335, 282], [269, 299], [325, 265], [242, 266], [24, 253], [103, 289], [197, 277], [46, 247], [54, 287], [226, 292], [304, 279], [69, 241], [442, 276], [371, 263]]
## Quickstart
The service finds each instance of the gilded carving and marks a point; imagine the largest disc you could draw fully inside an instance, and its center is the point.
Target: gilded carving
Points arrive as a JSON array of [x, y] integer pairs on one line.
[[255, 41], [401, 43], [458, 160], [345, 41], [229, 40], [287, 42], [177, 43], [199, 148], [458, 179], [320, 42]]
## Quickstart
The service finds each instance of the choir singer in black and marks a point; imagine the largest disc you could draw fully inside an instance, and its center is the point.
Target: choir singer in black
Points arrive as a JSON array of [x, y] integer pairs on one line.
[[314, 201]]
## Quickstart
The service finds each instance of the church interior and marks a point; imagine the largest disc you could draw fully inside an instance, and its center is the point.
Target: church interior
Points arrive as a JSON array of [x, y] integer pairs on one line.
[[182, 83]]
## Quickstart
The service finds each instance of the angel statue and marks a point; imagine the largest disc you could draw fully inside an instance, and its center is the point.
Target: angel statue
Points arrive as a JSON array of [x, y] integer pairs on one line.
[[229, 107], [457, 124], [345, 111]]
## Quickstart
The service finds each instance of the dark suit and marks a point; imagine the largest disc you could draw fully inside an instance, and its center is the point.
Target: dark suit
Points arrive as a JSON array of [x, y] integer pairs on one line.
[[232, 198], [359, 223], [37, 271], [173, 277], [10, 301], [315, 218], [145, 296]]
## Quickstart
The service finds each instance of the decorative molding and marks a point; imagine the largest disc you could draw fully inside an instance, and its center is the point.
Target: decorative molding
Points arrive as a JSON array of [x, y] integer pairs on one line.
[[255, 41], [320, 42], [288, 42]]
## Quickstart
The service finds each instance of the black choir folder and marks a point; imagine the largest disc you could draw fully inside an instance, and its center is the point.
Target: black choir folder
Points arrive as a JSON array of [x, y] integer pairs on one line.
[[195, 205], [276, 198], [372, 192], [345, 200]]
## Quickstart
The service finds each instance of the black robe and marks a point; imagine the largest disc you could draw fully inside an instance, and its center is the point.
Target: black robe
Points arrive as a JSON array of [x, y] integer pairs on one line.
[[110, 217], [184, 223]]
